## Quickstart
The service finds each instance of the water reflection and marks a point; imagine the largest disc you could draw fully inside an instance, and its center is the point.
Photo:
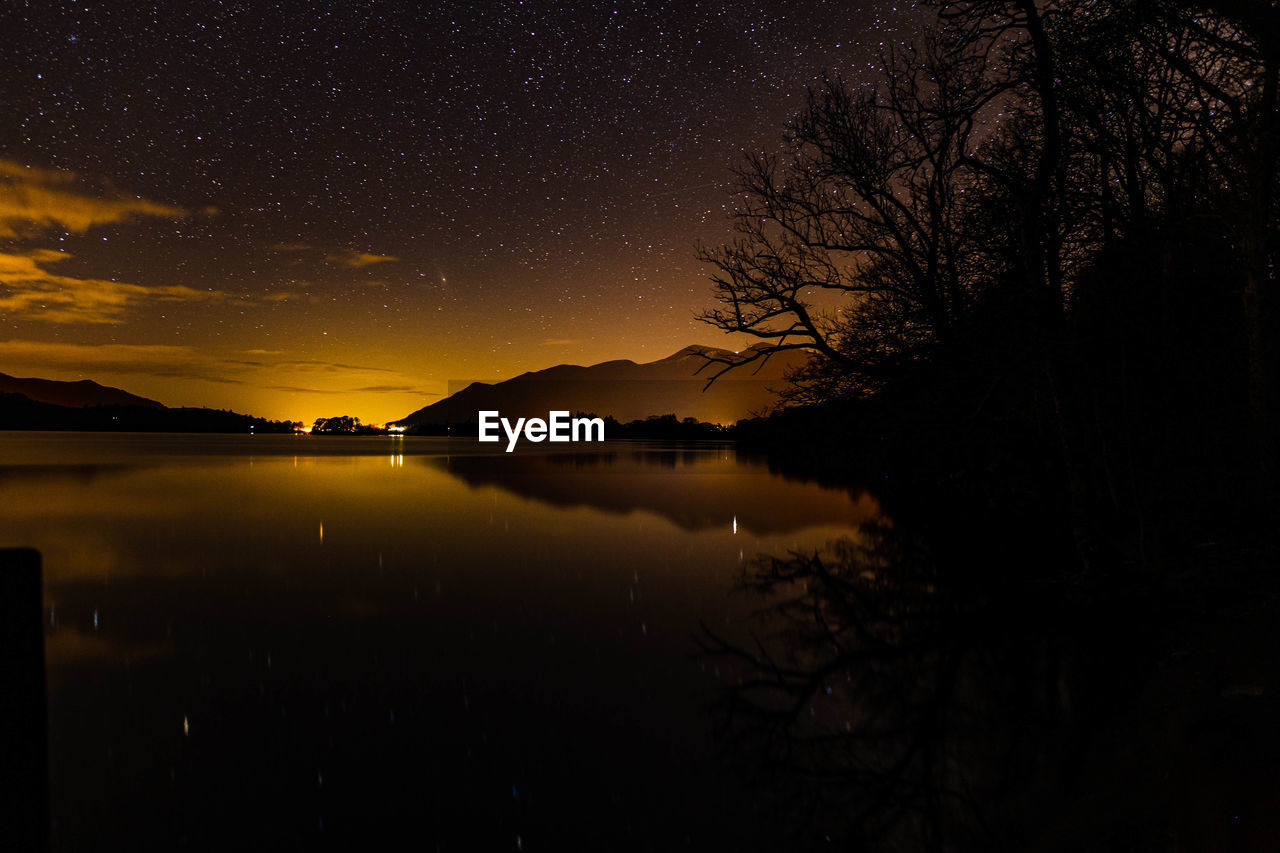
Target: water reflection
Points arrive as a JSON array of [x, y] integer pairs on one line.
[[712, 484], [339, 647], [885, 697], [696, 489]]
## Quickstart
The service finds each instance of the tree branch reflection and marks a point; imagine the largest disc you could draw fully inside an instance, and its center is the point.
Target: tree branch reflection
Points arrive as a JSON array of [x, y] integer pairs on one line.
[[879, 705]]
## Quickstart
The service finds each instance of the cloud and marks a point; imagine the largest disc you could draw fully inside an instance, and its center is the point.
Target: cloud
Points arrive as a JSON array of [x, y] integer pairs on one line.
[[33, 200], [357, 260], [150, 359], [293, 389], [366, 389], [264, 383], [184, 362], [40, 294], [330, 366], [349, 258], [394, 389]]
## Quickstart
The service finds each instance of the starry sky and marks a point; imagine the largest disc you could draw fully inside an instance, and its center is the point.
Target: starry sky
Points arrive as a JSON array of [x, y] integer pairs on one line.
[[305, 209]]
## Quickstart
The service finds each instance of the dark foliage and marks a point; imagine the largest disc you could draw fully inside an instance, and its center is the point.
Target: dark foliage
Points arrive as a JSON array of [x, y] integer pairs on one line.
[[1037, 261], [344, 425]]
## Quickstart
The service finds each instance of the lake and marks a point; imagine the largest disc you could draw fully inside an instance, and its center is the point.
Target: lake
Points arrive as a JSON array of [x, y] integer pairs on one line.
[[296, 639]]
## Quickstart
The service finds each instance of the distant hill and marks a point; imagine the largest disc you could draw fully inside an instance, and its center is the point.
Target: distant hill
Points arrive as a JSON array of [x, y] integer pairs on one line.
[[46, 404], [20, 412], [72, 394], [624, 389]]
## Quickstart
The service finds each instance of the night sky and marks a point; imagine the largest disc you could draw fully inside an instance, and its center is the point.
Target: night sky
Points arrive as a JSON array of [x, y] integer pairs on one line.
[[312, 209]]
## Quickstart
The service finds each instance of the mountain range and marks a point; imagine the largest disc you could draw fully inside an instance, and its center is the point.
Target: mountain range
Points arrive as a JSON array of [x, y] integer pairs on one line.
[[72, 394], [48, 404], [624, 389]]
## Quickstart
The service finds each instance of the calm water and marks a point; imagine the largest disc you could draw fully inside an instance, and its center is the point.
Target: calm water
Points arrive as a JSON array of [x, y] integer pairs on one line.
[[327, 638]]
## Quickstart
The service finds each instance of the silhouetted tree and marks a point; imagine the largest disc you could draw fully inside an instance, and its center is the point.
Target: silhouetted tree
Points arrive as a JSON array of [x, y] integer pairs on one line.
[[1075, 204], [1226, 57], [341, 424], [854, 245]]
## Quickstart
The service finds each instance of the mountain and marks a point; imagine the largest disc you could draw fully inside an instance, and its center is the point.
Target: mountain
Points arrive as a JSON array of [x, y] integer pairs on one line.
[[46, 404], [21, 412], [624, 389], [72, 394]]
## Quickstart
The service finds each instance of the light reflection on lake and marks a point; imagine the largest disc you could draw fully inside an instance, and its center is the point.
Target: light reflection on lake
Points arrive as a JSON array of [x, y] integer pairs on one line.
[[336, 637]]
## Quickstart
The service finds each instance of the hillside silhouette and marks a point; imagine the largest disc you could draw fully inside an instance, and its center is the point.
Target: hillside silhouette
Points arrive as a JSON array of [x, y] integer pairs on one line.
[[622, 389], [86, 392]]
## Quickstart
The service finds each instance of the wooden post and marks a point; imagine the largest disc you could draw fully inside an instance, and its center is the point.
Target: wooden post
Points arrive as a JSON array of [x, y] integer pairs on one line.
[[24, 771]]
